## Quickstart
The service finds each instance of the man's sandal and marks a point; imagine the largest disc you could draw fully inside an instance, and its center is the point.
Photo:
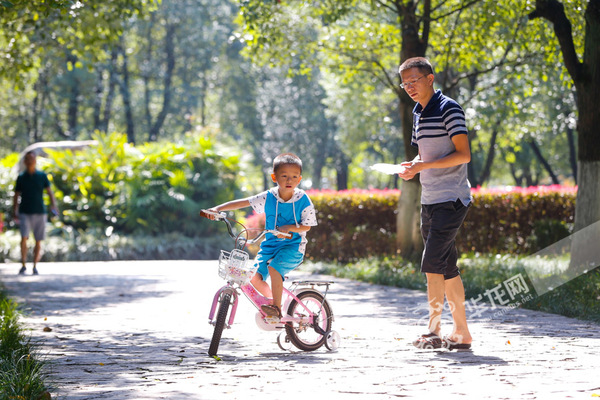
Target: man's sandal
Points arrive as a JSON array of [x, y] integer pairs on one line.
[[428, 341], [271, 310], [450, 344]]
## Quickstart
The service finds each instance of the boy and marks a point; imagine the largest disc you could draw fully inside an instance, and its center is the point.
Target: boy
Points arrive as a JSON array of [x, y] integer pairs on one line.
[[288, 210]]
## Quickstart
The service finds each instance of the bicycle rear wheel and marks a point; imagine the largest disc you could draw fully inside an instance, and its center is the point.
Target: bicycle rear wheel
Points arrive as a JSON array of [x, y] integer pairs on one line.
[[303, 335], [219, 324]]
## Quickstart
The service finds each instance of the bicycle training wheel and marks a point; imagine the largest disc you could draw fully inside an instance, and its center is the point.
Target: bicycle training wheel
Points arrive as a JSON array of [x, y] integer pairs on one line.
[[303, 335], [219, 324]]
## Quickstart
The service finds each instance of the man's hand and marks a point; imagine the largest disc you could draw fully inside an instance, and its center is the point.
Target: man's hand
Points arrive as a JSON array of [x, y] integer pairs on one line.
[[411, 168]]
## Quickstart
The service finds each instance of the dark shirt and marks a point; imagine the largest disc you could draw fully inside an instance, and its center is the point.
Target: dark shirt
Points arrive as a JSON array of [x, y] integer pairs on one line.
[[31, 187]]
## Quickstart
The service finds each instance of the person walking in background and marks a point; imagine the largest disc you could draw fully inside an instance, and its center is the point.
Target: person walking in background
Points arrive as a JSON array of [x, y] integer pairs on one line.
[[29, 209], [440, 133]]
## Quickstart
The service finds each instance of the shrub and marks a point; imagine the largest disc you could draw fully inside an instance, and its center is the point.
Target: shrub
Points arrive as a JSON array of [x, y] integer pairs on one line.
[[149, 189], [358, 224]]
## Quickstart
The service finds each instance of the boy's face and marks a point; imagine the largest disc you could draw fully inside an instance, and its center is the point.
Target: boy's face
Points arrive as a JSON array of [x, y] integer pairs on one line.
[[287, 177]]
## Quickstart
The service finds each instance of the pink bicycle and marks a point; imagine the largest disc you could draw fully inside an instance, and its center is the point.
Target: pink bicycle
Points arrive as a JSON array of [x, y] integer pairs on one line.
[[307, 318]]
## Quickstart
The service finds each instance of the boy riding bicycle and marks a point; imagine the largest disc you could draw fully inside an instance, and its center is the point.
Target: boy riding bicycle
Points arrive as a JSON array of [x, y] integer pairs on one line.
[[288, 210]]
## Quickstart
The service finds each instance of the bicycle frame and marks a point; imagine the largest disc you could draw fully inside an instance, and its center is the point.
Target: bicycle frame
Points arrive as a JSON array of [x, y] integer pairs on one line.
[[258, 300]]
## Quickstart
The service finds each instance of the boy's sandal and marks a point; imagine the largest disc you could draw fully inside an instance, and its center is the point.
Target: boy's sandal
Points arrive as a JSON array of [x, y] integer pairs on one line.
[[271, 310], [452, 345], [428, 341]]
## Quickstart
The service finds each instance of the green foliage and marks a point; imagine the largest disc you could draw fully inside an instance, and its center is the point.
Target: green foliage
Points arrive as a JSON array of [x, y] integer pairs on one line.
[[30, 28], [577, 298], [150, 189], [21, 372]]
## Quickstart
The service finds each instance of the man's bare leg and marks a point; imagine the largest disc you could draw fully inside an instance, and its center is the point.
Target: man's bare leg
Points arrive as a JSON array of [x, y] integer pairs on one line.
[[455, 293], [435, 298]]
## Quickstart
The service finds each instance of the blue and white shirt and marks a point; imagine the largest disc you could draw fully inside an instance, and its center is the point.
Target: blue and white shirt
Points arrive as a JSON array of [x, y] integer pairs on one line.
[[433, 130], [299, 210]]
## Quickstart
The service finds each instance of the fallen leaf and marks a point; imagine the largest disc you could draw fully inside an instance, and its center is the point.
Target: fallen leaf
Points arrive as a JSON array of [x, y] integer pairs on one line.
[[217, 358], [101, 364], [47, 329], [595, 395], [46, 319], [508, 342]]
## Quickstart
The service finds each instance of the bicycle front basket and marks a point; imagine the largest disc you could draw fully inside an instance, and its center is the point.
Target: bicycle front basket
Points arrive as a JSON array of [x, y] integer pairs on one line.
[[235, 267]]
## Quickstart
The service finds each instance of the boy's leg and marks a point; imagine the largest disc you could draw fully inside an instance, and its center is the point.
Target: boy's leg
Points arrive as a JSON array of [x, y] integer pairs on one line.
[[260, 285], [277, 286]]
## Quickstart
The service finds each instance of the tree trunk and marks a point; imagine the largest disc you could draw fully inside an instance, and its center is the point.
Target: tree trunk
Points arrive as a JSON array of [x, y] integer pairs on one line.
[[415, 38], [586, 76], [543, 161], [126, 95], [73, 109], [341, 169], [97, 102], [170, 61], [572, 152], [110, 96]]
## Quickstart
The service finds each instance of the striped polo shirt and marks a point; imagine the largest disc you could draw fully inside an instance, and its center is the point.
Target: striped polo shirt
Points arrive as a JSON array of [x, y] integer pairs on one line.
[[433, 129]]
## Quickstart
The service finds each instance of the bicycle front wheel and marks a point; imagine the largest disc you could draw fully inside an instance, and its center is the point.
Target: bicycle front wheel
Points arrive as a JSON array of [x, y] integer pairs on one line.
[[219, 324], [303, 335]]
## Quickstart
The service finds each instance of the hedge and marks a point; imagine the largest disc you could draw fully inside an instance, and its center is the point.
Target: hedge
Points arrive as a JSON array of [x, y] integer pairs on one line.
[[355, 224]]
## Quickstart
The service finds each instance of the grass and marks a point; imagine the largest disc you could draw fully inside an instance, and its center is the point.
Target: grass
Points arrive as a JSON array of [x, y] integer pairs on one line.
[[578, 298], [21, 371]]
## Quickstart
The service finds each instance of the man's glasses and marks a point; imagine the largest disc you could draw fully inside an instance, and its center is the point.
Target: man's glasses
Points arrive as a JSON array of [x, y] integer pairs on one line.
[[410, 84]]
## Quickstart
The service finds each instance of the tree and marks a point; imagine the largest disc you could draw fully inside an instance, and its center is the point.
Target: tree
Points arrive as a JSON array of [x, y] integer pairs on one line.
[[585, 74], [366, 41]]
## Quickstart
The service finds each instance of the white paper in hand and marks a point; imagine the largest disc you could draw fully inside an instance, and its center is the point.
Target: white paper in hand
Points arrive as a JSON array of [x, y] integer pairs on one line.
[[390, 169]]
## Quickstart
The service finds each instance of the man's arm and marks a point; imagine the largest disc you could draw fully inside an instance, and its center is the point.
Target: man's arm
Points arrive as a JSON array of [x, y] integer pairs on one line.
[[53, 206], [16, 206]]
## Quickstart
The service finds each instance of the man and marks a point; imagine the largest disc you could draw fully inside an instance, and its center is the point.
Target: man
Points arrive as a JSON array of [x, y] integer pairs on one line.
[[30, 212], [440, 133]]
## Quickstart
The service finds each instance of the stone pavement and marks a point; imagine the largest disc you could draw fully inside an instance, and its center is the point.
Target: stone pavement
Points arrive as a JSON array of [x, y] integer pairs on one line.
[[138, 330]]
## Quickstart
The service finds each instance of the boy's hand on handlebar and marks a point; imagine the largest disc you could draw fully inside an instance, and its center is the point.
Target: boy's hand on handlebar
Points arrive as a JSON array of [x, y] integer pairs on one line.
[[212, 214]]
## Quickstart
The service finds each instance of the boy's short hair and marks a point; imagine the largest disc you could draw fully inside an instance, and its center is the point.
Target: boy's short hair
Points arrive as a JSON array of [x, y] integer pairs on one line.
[[421, 63], [286, 159]]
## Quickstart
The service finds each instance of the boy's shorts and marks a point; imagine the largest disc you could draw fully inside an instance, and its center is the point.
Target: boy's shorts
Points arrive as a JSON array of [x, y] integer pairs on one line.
[[35, 223], [439, 226], [283, 260]]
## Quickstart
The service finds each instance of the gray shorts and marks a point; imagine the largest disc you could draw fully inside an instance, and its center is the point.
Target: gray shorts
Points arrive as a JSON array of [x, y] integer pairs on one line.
[[35, 223]]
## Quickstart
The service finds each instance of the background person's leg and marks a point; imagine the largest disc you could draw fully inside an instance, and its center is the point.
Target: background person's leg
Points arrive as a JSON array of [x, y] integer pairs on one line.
[[37, 254], [23, 254]]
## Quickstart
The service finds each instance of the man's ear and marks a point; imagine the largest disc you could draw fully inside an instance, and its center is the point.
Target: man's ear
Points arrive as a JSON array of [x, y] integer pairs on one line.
[[274, 178]]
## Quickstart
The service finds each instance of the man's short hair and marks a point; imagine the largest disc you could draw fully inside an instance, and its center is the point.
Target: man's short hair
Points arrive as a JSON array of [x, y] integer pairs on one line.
[[421, 63], [286, 159]]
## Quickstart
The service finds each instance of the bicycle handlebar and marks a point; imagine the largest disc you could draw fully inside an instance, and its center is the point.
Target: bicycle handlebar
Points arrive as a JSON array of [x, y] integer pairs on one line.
[[220, 216]]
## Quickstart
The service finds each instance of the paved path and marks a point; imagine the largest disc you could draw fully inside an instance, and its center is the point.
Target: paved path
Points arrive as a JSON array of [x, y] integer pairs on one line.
[[138, 330]]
